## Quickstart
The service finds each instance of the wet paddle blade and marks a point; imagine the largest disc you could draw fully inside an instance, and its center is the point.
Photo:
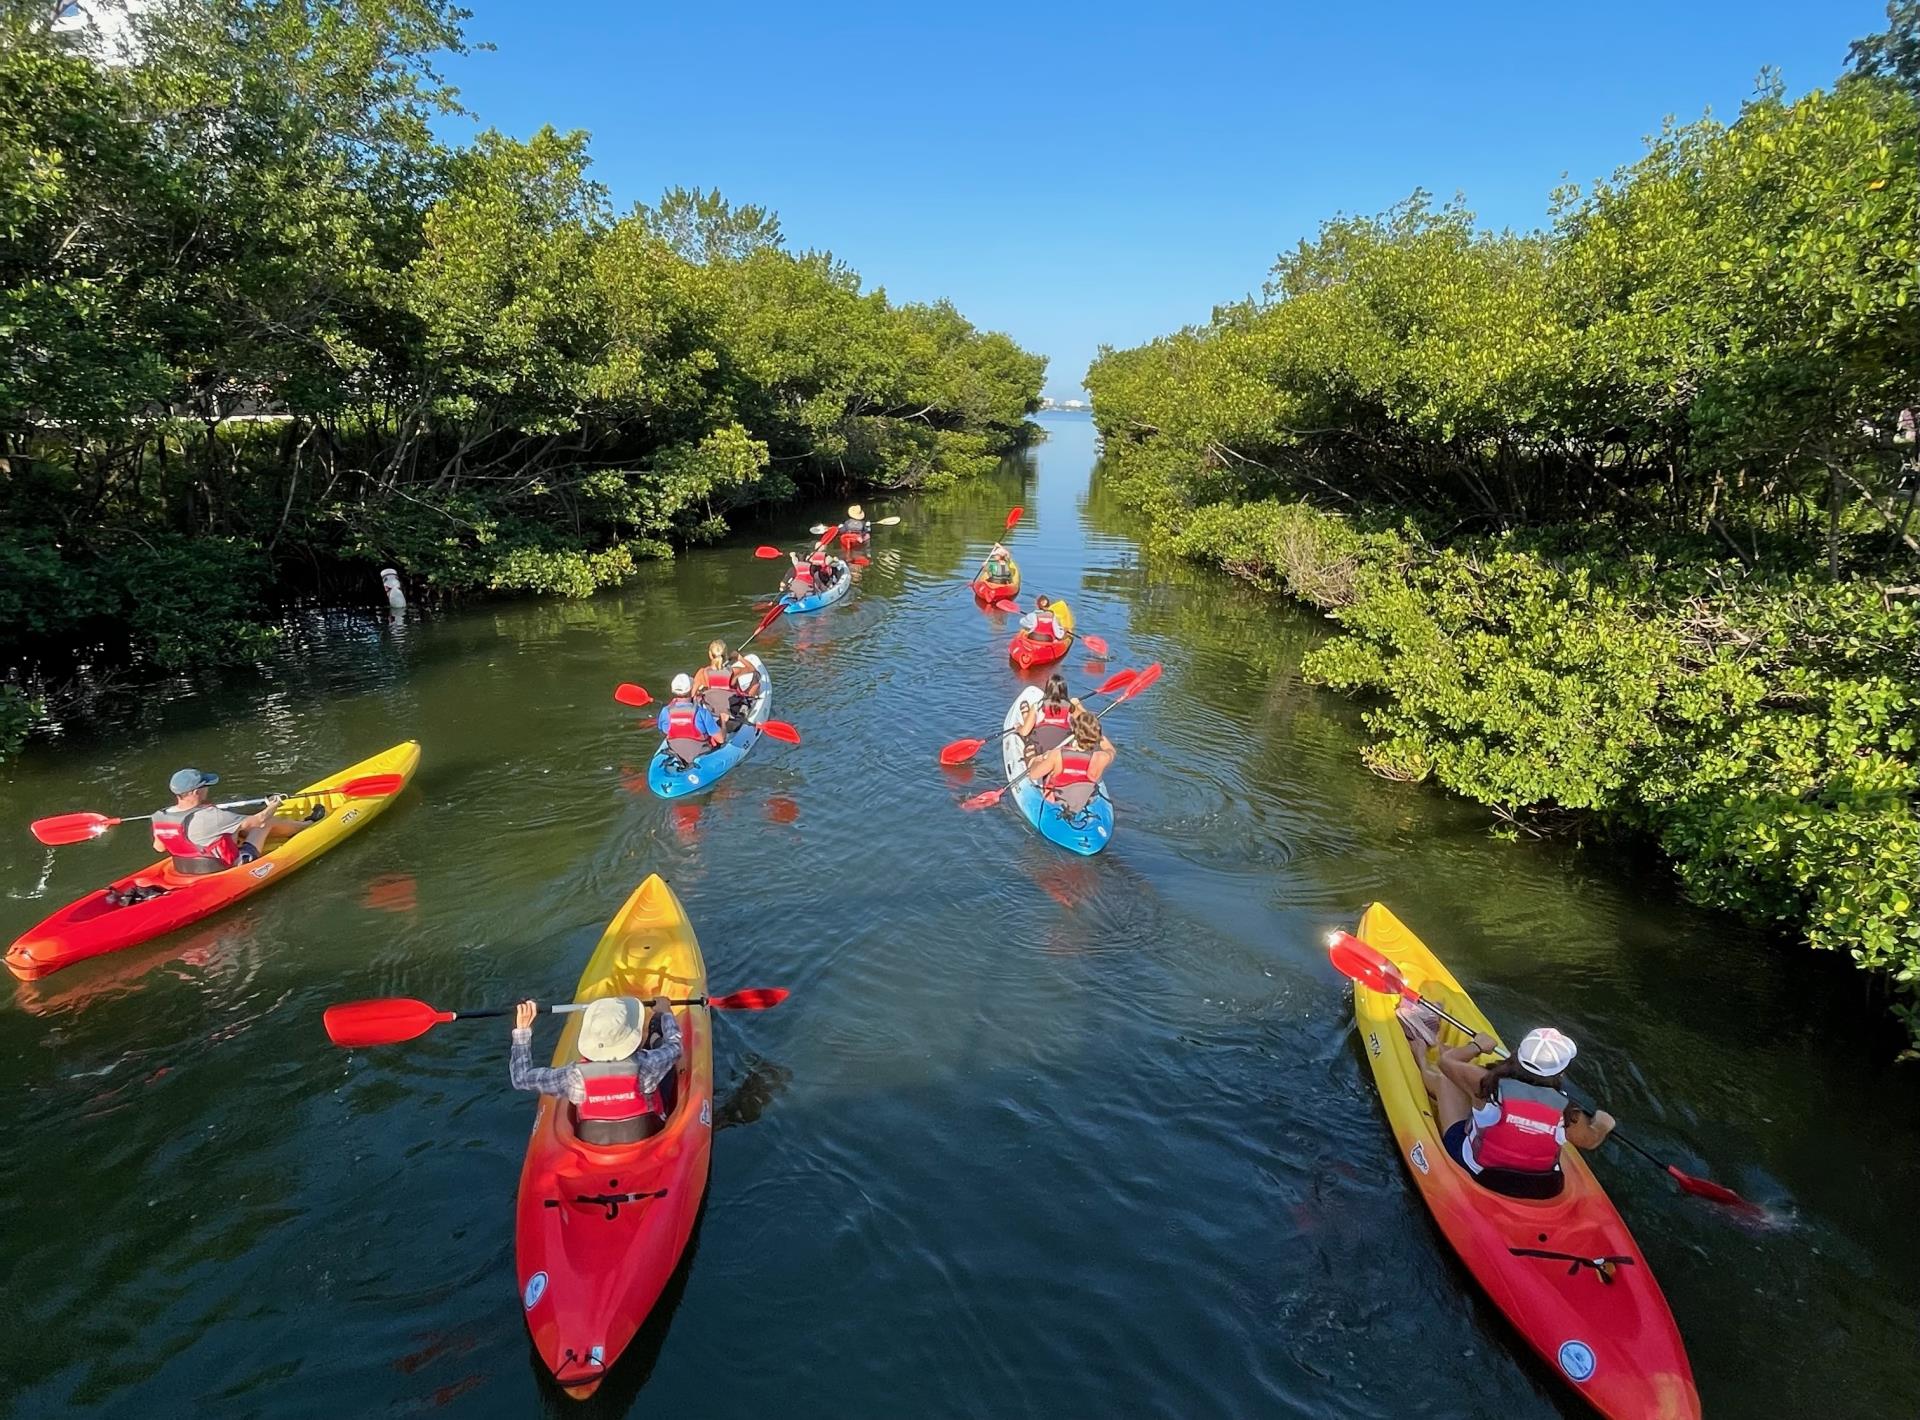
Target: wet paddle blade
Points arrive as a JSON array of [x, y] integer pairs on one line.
[[383, 1022], [984, 800], [1353, 958], [892, 522], [1116, 682], [767, 554], [780, 730], [70, 828], [754, 998], [1146, 678], [628, 693], [1095, 644], [860, 561], [367, 786], [1713, 1192], [960, 751], [1013, 518], [817, 529]]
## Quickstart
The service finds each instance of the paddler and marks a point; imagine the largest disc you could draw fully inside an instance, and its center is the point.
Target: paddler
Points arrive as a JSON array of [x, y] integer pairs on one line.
[[999, 567], [856, 526], [1047, 723], [202, 837], [1070, 773], [800, 580], [691, 729], [713, 683], [615, 1087], [1041, 624], [1505, 1123]]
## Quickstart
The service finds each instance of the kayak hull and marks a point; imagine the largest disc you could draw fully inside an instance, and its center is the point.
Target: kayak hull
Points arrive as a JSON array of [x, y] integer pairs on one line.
[[1611, 1337], [990, 595], [1027, 653], [796, 606], [668, 777], [854, 540], [1085, 833], [92, 926], [592, 1258]]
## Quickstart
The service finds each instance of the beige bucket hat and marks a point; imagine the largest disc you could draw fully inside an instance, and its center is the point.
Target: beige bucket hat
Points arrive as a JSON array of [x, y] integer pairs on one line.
[[856, 512], [612, 1028]]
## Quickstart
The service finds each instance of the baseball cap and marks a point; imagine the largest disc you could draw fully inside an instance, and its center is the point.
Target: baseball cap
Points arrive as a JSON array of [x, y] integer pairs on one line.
[[185, 781], [682, 683], [1545, 1051]]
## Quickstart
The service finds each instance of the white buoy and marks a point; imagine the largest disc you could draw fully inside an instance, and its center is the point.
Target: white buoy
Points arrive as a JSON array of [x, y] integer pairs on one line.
[[390, 580]]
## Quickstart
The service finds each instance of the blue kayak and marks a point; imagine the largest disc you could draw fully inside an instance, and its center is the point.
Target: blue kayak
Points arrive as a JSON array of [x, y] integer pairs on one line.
[[1086, 832], [670, 777], [842, 584]]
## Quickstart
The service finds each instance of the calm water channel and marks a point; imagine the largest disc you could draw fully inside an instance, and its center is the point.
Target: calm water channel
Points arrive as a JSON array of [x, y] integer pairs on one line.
[[1035, 1135]]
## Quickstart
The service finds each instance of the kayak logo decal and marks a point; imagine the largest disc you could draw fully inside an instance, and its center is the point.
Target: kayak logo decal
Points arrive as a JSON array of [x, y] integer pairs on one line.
[[349, 816], [536, 1289], [706, 1111], [262, 870], [1577, 1360], [1373, 1044], [1420, 1158]]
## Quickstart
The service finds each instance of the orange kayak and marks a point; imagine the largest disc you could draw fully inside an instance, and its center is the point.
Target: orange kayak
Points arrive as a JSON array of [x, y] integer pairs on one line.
[[600, 1229], [1025, 652], [93, 925], [1565, 1270]]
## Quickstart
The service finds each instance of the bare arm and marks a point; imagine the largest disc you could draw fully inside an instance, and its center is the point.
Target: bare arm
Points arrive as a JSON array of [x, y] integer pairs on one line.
[[1456, 1062]]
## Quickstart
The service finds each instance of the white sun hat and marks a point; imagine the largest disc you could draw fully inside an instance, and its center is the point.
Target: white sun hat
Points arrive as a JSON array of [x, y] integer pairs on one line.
[[612, 1028]]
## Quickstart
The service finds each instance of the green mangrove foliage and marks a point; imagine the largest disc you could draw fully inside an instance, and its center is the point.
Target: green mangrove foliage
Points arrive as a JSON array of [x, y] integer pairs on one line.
[[264, 333], [1617, 518]]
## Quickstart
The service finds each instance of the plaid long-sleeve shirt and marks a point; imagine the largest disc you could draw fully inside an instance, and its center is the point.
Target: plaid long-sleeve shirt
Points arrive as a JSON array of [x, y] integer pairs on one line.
[[568, 1083]]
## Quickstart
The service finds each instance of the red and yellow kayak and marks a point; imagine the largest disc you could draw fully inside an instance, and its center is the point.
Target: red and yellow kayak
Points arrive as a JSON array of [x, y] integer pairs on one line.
[[1026, 653], [93, 925], [1565, 1271], [600, 1229], [994, 594]]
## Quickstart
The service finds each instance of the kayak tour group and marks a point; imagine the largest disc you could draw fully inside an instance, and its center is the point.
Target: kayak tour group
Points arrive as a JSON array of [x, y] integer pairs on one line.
[[617, 1167]]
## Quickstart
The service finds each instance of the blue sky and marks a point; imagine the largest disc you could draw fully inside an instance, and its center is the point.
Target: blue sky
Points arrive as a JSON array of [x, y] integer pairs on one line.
[[1106, 174]]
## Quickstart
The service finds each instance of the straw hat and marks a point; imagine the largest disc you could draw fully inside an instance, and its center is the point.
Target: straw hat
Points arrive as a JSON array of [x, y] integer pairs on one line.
[[612, 1028], [856, 512]]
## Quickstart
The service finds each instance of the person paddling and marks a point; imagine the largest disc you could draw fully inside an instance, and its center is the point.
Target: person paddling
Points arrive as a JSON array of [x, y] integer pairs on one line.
[[999, 567], [201, 837], [856, 526], [691, 729], [745, 679], [1505, 1123], [1041, 624], [615, 1086], [713, 682], [1047, 723], [1071, 774]]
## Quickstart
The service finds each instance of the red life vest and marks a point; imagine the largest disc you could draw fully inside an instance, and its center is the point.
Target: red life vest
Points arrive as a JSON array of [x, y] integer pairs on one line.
[[683, 721], [1045, 628], [170, 837], [1075, 768], [1526, 1137], [1059, 716], [613, 1093]]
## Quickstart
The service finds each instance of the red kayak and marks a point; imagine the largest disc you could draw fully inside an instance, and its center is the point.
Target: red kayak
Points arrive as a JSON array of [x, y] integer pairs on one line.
[[1025, 652], [998, 596], [600, 1228], [854, 539]]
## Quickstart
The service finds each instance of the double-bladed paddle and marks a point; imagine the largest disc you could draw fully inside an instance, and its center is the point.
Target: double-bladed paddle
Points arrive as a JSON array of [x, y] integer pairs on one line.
[[627, 693], [389, 1020], [1012, 518], [960, 751], [1372, 969], [78, 828], [993, 796]]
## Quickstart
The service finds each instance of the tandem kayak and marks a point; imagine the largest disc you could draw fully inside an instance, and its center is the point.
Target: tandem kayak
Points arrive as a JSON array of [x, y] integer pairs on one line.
[[842, 584], [992, 594], [1086, 832], [93, 925], [1565, 1270], [600, 1228], [669, 776], [1026, 653]]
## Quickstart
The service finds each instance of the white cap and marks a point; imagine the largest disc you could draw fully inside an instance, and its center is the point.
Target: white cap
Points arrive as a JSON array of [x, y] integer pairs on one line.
[[682, 683], [1545, 1051]]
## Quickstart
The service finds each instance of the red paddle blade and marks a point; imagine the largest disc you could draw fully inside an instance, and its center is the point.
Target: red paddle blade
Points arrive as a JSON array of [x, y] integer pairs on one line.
[[70, 828], [768, 553], [367, 786], [627, 693], [1146, 678], [1013, 518], [960, 751], [780, 730], [860, 561], [773, 615], [1119, 680], [1352, 957], [1095, 644], [1717, 1193], [387, 1021], [984, 800], [754, 998]]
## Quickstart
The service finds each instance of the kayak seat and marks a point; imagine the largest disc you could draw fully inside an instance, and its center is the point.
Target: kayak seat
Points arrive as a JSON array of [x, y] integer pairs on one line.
[[1509, 1183]]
